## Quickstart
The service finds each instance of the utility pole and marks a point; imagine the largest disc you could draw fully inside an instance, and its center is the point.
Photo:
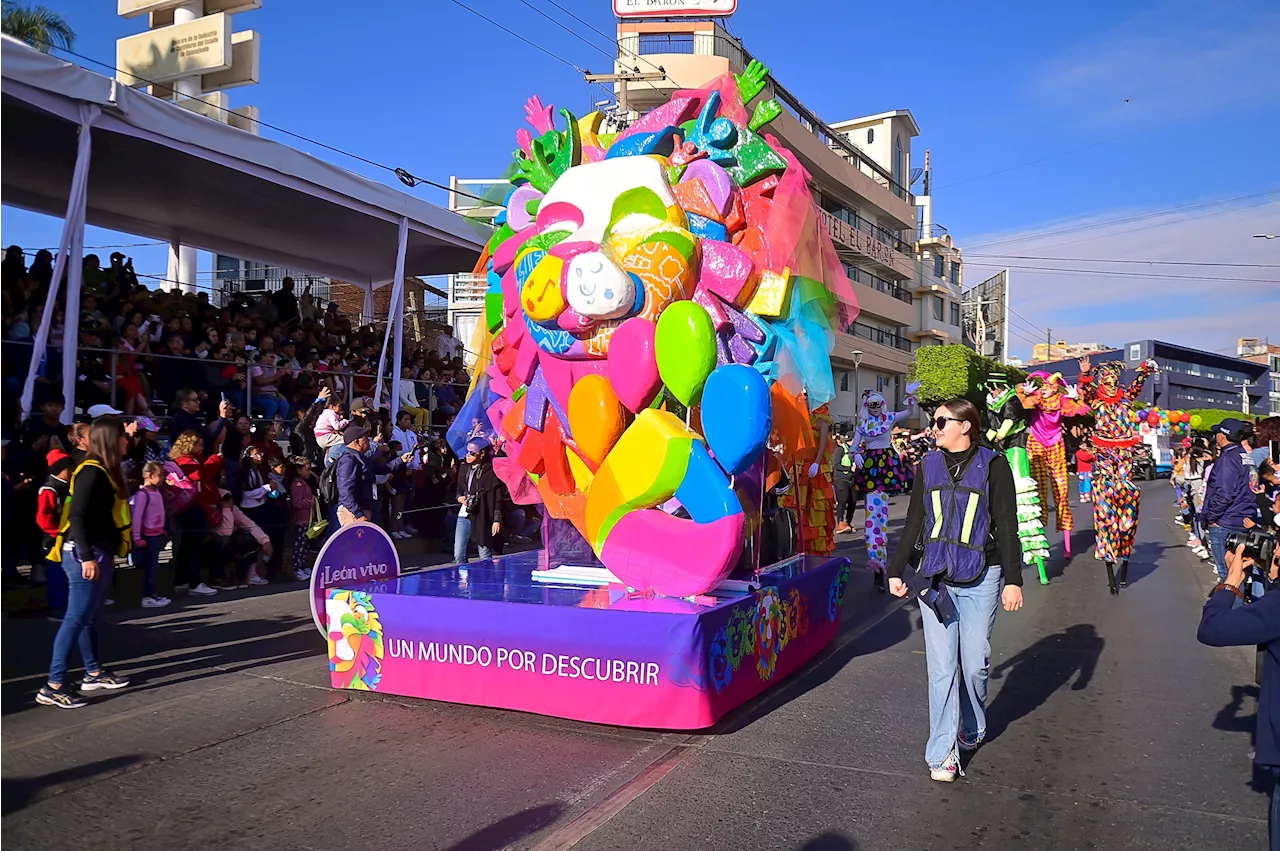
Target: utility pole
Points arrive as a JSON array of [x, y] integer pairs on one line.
[[626, 78], [1048, 344]]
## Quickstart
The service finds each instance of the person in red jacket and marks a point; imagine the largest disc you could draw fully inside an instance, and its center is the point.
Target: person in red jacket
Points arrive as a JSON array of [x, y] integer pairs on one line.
[[49, 501], [1084, 469]]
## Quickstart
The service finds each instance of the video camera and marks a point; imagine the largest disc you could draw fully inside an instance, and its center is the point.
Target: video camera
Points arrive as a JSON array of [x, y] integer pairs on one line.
[[1260, 546]]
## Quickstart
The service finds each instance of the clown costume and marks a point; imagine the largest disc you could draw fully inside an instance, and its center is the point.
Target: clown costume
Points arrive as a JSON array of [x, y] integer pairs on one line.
[[879, 470], [1046, 403], [1116, 440], [1007, 432]]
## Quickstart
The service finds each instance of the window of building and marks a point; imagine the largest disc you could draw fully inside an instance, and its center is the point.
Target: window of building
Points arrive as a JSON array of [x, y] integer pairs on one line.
[[844, 382], [937, 265], [955, 272], [939, 308], [898, 166], [882, 383], [666, 43], [1135, 351], [955, 313], [871, 135]]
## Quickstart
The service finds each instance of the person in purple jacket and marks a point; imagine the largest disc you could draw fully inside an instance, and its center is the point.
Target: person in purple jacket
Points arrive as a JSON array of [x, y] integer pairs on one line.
[[1227, 623], [1230, 501]]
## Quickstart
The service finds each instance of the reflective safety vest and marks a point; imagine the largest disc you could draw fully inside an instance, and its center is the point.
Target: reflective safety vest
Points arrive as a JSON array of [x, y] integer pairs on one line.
[[119, 512], [957, 517]]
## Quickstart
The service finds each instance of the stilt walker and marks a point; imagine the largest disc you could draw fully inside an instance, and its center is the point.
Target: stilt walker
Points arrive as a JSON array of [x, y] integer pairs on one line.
[[1007, 432], [879, 471], [1116, 439], [1046, 404]]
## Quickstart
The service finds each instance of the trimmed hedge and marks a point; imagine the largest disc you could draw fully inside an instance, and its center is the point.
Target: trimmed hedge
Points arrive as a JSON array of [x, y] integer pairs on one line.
[[948, 372], [1210, 417]]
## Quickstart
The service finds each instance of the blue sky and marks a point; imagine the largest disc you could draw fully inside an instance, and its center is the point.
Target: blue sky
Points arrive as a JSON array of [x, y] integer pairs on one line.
[[994, 86]]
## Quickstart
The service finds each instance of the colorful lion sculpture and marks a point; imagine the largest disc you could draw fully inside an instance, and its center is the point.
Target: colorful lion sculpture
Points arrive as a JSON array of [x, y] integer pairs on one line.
[[355, 640], [660, 310]]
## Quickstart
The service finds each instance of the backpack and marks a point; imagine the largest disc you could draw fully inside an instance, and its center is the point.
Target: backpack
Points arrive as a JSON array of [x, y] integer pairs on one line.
[[328, 490], [178, 490]]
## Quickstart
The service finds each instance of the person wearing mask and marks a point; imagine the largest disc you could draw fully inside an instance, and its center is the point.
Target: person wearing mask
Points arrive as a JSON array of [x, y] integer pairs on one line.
[[1226, 623], [1230, 503], [95, 531], [480, 497], [973, 568]]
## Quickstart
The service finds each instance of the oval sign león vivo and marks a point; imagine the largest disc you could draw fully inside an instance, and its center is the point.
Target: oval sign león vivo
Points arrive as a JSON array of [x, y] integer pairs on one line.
[[353, 556]]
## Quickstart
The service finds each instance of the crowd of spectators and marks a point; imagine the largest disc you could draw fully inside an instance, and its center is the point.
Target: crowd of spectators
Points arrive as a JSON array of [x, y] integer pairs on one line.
[[233, 413]]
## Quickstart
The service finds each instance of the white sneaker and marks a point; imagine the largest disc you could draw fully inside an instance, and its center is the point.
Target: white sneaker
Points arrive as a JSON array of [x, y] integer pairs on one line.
[[255, 579], [204, 590], [182, 589], [412, 530], [301, 575], [948, 770], [155, 602], [400, 536]]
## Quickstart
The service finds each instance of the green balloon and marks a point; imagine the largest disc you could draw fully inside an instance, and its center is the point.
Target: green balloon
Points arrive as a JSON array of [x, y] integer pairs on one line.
[[686, 343]]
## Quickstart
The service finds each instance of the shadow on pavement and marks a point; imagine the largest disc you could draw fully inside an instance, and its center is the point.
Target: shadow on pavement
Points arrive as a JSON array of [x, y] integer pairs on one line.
[[896, 627], [19, 791], [829, 841], [502, 834], [1229, 718], [1035, 674], [1146, 558]]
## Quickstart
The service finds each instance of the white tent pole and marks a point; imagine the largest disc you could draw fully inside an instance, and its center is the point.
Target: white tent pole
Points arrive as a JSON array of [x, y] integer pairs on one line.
[[366, 312], [70, 251], [395, 323]]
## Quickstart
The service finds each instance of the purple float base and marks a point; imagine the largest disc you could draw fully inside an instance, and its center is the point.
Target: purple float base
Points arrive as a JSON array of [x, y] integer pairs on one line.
[[487, 634]]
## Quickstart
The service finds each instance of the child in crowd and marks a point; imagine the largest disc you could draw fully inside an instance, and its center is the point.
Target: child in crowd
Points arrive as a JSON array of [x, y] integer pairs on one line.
[[49, 502], [1084, 469], [302, 498], [149, 536], [239, 539]]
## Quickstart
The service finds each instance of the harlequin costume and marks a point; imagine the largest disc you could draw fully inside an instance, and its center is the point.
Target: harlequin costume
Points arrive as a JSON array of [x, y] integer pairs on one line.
[[1007, 431], [1115, 439], [814, 497], [879, 471], [1046, 404]]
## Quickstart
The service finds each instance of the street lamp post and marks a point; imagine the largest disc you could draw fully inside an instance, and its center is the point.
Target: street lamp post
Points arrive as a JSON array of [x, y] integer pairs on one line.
[[857, 362]]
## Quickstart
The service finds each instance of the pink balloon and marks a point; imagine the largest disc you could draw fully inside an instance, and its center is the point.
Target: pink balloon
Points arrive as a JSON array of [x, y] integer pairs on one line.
[[633, 363]]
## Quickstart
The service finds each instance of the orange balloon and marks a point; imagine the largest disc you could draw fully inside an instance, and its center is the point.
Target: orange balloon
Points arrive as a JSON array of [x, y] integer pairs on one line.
[[596, 416]]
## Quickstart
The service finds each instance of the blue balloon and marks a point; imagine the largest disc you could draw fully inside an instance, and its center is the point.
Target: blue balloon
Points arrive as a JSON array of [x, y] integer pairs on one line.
[[736, 415]]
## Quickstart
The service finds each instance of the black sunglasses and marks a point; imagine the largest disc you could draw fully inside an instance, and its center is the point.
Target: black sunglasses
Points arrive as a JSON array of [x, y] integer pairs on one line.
[[939, 423]]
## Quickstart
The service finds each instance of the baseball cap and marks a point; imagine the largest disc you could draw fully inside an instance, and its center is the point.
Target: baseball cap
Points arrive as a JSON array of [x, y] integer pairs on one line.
[[146, 424], [360, 404], [1233, 429], [96, 411], [57, 461], [352, 433], [1260, 455]]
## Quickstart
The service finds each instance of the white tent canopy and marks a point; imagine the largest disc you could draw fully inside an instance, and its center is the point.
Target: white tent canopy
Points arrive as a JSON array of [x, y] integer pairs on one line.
[[157, 170]]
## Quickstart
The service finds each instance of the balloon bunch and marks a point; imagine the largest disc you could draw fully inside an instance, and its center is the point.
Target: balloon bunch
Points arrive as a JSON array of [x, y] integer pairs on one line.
[[660, 309], [1177, 423]]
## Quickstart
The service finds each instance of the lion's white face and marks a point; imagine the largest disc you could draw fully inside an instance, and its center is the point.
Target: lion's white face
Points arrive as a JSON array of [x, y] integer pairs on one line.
[[339, 647]]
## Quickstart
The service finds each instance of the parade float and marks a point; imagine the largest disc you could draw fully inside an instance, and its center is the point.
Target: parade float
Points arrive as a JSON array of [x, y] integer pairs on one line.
[[660, 310]]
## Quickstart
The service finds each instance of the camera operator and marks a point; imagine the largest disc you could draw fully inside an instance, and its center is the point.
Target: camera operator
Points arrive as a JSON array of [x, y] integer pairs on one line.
[[1230, 503], [1227, 623]]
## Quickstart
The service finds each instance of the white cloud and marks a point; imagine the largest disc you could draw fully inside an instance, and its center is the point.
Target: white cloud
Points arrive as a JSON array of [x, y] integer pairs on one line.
[[1118, 308]]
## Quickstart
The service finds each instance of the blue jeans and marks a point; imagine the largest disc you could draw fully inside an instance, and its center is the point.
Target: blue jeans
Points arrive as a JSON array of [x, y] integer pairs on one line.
[[148, 559], [958, 654], [461, 538], [84, 604], [1218, 547], [272, 406]]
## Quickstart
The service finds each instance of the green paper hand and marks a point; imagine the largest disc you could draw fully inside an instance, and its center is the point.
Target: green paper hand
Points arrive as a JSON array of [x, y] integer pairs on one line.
[[751, 81], [765, 112]]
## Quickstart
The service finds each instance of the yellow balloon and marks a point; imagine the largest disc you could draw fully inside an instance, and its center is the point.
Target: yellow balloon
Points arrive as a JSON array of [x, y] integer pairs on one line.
[[596, 417]]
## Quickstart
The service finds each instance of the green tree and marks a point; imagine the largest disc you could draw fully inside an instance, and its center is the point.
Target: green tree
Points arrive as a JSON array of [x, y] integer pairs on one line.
[[38, 26]]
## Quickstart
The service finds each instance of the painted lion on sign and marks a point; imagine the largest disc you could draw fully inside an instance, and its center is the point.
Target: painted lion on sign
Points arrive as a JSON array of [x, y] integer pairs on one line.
[[355, 640]]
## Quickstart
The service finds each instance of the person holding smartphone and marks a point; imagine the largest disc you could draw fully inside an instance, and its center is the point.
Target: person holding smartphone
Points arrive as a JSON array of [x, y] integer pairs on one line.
[[963, 513]]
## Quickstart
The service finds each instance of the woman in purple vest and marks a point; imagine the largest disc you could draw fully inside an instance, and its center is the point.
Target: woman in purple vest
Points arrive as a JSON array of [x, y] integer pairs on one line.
[[964, 512]]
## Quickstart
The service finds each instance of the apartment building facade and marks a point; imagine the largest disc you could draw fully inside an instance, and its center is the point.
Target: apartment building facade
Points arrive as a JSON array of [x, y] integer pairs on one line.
[[1264, 352]]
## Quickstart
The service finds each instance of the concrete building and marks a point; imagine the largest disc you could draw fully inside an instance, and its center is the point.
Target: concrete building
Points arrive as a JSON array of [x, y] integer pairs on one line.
[[1060, 350], [1189, 378], [1263, 352], [906, 271], [479, 199], [233, 275]]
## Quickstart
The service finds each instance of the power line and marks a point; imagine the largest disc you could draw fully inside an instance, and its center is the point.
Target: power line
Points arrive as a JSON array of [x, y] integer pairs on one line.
[[1123, 220], [615, 43], [1110, 273], [1136, 262], [517, 35], [1179, 221], [405, 177]]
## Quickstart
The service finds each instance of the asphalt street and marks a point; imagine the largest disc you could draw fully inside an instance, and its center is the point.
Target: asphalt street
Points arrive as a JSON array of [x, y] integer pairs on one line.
[[1110, 728]]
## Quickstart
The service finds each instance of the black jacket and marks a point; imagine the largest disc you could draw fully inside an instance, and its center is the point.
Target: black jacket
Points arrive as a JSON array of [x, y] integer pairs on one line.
[[485, 494], [92, 524]]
